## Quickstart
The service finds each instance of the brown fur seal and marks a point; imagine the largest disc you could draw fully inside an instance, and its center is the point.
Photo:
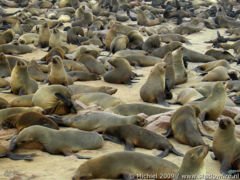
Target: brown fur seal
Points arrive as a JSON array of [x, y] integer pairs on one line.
[[125, 164], [7, 36], [57, 99], [135, 40], [3, 103], [167, 38], [180, 72], [52, 140], [83, 76], [58, 75], [57, 51], [99, 121], [211, 65], [101, 99], [193, 164], [186, 29], [76, 89], [137, 108], [109, 38], [44, 36], [184, 126], [151, 43], [122, 72], [73, 35], [28, 38], [162, 51], [119, 43], [169, 73], [74, 66], [4, 113], [218, 54], [234, 85], [226, 147], [4, 152], [188, 95], [83, 18], [143, 20], [193, 56], [153, 90], [15, 48], [219, 73], [56, 40], [26, 119], [5, 70], [134, 136], [85, 57], [21, 83], [214, 104], [22, 101]]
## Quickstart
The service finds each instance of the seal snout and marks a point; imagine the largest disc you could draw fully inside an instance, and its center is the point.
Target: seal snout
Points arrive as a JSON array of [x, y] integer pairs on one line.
[[222, 124]]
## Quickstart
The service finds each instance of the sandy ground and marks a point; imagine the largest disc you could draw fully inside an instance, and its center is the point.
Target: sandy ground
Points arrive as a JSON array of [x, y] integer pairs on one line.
[[57, 167]]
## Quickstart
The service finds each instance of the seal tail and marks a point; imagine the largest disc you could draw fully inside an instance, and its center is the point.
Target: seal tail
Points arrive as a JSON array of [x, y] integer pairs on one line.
[[26, 157], [174, 151]]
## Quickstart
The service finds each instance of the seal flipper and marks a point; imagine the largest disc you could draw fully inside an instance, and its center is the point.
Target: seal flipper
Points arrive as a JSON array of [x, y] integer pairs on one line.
[[67, 152], [128, 177], [111, 138], [26, 157], [161, 100], [225, 166], [129, 146], [174, 151], [63, 99], [168, 133], [21, 92], [13, 145], [213, 156], [232, 172], [163, 154]]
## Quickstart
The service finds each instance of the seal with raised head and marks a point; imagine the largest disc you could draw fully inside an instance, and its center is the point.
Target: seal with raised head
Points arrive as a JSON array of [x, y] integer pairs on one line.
[[57, 100], [143, 20], [226, 147], [21, 83], [5, 70], [125, 164], [99, 121], [154, 90], [162, 51], [119, 43], [135, 136], [52, 141], [44, 36], [26, 119], [193, 163]]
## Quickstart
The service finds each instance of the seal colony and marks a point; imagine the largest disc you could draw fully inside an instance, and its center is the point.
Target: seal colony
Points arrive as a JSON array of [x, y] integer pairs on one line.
[[81, 77]]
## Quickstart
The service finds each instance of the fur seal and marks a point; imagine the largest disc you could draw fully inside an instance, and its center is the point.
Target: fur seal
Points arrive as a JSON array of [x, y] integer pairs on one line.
[[76, 89], [15, 48], [184, 126], [52, 140], [73, 35], [122, 72], [58, 75], [226, 146], [234, 85], [118, 43], [154, 90], [26, 119], [219, 73], [35, 71], [186, 29], [218, 54], [4, 83], [151, 43], [214, 104], [180, 72], [137, 108], [99, 121], [193, 163], [7, 36], [167, 38], [5, 70], [169, 73], [44, 36], [135, 40], [74, 66], [162, 51], [131, 163], [57, 51], [188, 95], [28, 38], [83, 76], [83, 18], [4, 152], [211, 65], [193, 56], [57, 99], [4, 113], [101, 99], [22, 101], [21, 83], [143, 20], [142, 60], [135, 136]]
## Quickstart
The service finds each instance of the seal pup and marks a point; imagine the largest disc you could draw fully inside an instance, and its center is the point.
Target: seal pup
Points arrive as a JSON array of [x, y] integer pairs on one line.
[[28, 38], [100, 121], [226, 147], [83, 76], [131, 163], [193, 163], [76, 89], [135, 136], [135, 40], [154, 90], [57, 100], [58, 74], [122, 72], [151, 43], [5, 70], [15, 48], [219, 73], [26, 119], [143, 20], [184, 126], [52, 140], [21, 83]]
